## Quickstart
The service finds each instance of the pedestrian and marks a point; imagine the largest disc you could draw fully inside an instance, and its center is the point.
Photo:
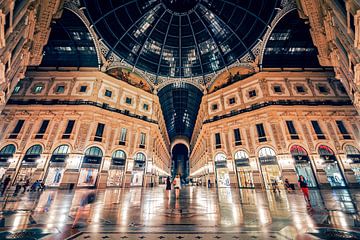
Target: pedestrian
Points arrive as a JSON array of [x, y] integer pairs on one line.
[[177, 185], [26, 185], [304, 188], [168, 183], [5, 184], [209, 183], [288, 186], [275, 186], [18, 187], [84, 208]]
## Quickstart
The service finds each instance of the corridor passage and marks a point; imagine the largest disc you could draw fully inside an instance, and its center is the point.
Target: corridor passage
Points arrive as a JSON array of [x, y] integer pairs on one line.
[[199, 213]]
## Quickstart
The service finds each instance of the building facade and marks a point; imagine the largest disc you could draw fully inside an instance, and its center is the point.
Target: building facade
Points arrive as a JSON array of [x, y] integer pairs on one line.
[[277, 125]]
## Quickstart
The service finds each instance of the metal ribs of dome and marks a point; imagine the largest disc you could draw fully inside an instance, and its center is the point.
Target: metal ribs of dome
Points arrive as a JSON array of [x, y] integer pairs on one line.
[[159, 38]]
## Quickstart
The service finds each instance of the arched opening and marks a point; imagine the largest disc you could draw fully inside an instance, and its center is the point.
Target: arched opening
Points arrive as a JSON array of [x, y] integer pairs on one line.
[[6, 153], [269, 167], [90, 167], [222, 170], [180, 161], [353, 158], [117, 168], [303, 165], [331, 167], [242, 163], [29, 164], [57, 165]]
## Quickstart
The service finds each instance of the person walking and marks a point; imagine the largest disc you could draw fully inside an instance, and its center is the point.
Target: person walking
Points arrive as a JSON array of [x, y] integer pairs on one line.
[[26, 185], [177, 185], [209, 183], [304, 188], [5, 184], [275, 186]]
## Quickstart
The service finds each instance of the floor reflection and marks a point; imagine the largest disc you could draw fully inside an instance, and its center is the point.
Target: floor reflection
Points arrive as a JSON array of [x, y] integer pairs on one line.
[[222, 209]]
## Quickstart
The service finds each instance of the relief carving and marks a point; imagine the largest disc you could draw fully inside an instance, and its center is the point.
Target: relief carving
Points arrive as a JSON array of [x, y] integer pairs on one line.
[[26, 136], [308, 139], [82, 136]]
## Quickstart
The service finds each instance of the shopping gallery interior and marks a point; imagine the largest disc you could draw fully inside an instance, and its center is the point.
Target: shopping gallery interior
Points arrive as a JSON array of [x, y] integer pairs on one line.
[[179, 119]]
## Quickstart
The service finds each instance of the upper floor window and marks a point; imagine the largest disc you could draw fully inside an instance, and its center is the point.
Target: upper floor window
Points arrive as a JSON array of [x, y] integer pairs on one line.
[[323, 89], [68, 130], [300, 89], [60, 89], [146, 107], [17, 129], [343, 130], [17, 89], [318, 130], [142, 140], [128, 100], [214, 107], [38, 89], [252, 93], [237, 137], [42, 129], [217, 140], [277, 89], [99, 132], [292, 130], [123, 136], [232, 100], [108, 93], [261, 132], [83, 89]]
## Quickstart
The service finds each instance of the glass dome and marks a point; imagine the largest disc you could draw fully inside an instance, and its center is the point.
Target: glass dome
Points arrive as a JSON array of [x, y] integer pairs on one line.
[[180, 38]]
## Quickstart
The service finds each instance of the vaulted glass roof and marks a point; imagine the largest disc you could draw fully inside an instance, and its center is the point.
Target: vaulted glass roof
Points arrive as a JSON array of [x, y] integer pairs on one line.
[[180, 38]]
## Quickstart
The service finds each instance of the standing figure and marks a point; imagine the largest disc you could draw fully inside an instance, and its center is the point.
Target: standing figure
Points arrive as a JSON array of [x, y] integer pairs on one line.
[[209, 183], [304, 188], [5, 184], [275, 186], [168, 186], [177, 185]]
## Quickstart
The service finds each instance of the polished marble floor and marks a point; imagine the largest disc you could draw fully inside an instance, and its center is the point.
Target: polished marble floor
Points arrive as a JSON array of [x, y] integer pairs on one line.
[[198, 213]]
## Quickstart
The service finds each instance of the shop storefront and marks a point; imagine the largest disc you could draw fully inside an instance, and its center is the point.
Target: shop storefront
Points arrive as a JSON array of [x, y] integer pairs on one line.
[[57, 166], [138, 171], [244, 172], [6, 153], [222, 171], [353, 157], [117, 169], [90, 167], [303, 165], [331, 167], [269, 168], [29, 163]]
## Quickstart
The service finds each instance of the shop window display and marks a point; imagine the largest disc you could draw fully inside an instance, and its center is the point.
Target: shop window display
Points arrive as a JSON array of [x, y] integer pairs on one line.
[[116, 172], [331, 167], [6, 153], [245, 176], [57, 166], [90, 167], [303, 165], [269, 168], [138, 170], [353, 157], [222, 171]]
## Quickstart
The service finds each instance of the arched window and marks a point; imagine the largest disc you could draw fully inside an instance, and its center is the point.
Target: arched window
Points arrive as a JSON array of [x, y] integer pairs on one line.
[[61, 150], [325, 151], [220, 157], [266, 152], [94, 151], [34, 150], [140, 157], [119, 154], [8, 150], [241, 155], [297, 150], [351, 150]]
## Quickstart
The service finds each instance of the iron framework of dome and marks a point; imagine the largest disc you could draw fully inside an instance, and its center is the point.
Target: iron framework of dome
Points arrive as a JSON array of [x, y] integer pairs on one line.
[[180, 38]]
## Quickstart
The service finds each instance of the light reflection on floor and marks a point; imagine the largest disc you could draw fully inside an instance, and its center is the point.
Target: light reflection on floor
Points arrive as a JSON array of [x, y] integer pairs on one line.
[[198, 208]]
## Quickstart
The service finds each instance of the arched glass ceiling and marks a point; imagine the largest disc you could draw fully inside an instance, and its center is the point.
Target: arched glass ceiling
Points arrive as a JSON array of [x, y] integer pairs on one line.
[[180, 38], [290, 44], [180, 104], [70, 44]]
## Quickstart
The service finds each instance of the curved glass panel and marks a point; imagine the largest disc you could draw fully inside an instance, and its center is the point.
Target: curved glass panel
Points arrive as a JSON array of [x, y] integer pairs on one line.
[[266, 152], [325, 151], [140, 157], [119, 154], [185, 38], [94, 151], [34, 150], [220, 157], [351, 150], [297, 150], [241, 155], [61, 150], [8, 150]]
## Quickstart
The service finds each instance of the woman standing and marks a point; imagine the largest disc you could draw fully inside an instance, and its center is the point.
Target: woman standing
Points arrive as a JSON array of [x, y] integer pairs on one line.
[[168, 186], [304, 188], [177, 185]]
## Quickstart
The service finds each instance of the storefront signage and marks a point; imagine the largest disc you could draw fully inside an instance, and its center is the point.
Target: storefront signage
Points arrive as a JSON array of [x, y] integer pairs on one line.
[[328, 158], [221, 164], [118, 162], [270, 160], [5, 157], [92, 159], [242, 162], [299, 159], [139, 165], [355, 158], [31, 158], [58, 158]]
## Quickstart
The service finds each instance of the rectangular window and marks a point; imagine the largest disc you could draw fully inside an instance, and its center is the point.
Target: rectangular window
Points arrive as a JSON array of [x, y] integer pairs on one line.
[[142, 140], [108, 93], [217, 140], [292, 130], [17, 129], [68, 130], [17, 89], [343, 130], [146, 107], [214, 107], [317, 129], [232, 101], [277, 89], [60, 89], [300, 89], [261, 132], [83, 89], [123, 136], [252, 93], [128, 100], [38, 89], [99, 132], [42, 129], [237, 137]]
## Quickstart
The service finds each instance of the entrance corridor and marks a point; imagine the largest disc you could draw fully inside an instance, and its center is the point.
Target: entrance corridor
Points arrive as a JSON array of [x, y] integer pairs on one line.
[[199, 213]]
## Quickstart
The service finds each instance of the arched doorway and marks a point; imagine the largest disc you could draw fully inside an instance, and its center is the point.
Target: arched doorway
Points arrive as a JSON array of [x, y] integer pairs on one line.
[[57, 166], [29, 163], [222, 170], [269, 167], [180, 161], [303, 164], [90, 167], [137, 176], [331, 167], [353, 158], [117, 167], [243, 169], [6, 153]]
